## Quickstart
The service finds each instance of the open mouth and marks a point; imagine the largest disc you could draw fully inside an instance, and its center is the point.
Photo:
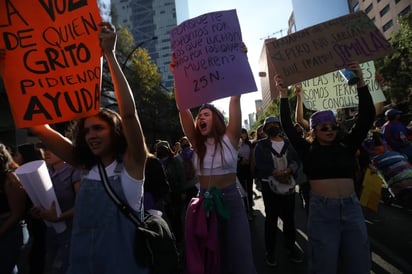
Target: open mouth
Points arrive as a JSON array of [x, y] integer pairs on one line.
[[202, 125]]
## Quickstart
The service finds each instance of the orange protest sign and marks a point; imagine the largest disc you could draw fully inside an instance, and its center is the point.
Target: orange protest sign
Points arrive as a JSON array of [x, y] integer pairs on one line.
[[52, 68]]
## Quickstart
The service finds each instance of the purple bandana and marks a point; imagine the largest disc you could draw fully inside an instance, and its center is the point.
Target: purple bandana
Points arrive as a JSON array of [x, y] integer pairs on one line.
[[320, 117]]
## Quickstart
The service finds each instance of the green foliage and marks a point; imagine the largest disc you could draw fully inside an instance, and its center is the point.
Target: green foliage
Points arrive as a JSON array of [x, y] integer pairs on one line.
[[274, 110], [396, 69], [157, 108]]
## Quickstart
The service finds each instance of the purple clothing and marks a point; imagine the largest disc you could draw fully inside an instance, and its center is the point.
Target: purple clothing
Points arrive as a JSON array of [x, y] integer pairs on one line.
[[201, 240], [233, 253]]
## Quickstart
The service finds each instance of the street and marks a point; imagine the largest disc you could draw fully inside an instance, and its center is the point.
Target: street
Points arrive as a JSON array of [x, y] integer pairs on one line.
[[389, 233]]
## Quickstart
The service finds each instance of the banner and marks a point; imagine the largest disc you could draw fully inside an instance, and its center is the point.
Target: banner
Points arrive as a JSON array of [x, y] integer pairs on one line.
[[52, 68], [209, 61], [330, 91], [326, 47]]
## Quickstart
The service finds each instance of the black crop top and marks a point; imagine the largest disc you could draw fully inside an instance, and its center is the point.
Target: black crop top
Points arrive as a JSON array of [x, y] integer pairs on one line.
[[336, 160]]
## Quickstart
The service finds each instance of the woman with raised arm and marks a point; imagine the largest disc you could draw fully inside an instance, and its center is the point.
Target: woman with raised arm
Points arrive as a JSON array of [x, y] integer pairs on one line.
[[336, 226], [219, 211], [103, 238]]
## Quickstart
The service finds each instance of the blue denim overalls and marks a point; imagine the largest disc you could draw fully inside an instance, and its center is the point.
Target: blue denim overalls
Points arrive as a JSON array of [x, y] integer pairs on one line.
[[103, 239]]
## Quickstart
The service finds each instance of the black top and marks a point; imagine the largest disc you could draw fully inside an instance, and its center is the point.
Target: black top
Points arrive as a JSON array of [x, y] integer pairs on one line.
[[338, 159]]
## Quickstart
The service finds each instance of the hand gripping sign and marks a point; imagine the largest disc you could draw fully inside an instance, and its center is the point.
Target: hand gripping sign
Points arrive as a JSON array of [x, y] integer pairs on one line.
[[209, 62], [52, 67]]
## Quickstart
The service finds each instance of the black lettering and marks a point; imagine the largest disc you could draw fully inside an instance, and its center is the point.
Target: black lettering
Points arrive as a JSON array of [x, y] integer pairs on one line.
[[35, 107]]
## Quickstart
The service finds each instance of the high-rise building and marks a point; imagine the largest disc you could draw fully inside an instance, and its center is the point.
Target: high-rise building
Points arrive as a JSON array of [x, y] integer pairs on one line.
[[384, 13], [146, 19]]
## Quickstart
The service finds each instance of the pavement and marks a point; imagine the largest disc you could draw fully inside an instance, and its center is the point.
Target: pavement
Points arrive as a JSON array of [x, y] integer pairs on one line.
[[389, 232], [257, 226]]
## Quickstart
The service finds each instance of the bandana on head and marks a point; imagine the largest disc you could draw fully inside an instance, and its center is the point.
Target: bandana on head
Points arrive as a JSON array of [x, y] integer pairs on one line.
[[320, 117], [213, 109]]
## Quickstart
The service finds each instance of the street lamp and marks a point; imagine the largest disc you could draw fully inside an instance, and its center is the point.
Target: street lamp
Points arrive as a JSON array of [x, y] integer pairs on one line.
[[135, 48]]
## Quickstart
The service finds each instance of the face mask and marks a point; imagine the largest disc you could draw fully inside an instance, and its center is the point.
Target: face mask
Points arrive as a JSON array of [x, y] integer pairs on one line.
[[273, 131]]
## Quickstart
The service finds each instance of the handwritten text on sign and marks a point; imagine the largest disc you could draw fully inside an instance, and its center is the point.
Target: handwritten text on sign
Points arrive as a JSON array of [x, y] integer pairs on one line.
[[326, 47], [52, 67], [330, 91], [209, 61]]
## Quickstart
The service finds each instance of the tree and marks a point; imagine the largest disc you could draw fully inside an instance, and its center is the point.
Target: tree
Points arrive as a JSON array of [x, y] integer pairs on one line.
[[157, 108], [396, 69]]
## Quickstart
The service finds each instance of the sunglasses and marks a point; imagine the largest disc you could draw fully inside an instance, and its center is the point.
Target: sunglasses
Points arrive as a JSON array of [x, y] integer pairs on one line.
[[328, 128]]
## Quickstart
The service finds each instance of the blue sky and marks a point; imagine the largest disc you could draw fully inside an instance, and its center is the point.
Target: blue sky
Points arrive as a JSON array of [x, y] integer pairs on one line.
[[259, 19]]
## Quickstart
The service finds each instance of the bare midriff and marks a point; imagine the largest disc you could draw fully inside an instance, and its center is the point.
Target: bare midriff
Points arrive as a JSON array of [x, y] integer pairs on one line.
[[333, 188], [218, 181]]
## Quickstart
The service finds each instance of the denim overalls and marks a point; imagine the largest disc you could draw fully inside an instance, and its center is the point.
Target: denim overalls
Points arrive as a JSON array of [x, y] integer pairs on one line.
[[103, 239]]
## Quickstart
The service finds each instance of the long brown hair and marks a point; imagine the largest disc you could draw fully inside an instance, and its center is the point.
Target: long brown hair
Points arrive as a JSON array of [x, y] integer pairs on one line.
[[83, 154], [218, 130]]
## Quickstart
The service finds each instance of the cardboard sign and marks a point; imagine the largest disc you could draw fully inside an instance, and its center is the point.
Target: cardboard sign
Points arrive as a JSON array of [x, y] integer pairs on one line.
[[209, 61], [327, 47], [52, 68], [330, 91]]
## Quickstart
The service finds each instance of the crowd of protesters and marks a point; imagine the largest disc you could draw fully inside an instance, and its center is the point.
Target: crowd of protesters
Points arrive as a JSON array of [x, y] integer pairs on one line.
[[205, 184]]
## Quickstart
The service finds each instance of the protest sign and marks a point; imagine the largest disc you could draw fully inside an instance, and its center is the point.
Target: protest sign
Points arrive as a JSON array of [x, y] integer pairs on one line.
[[326, 47], [52, 68], [36, 181], [330, 91], [209, 61]]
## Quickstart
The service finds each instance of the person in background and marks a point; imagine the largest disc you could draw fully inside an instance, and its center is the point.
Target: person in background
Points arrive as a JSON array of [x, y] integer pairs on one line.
[[103, 238], [12, 210], [26, 153], [177, 148], [336, 226], [277, 166], [244, 171], [396, 134], [65, 180], [156, 187], [260, 134], [33, 256], [175, 175], [191, 188], [252, 135]]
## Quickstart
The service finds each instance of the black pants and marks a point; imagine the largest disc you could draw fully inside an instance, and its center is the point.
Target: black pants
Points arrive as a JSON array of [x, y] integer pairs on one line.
[[246, 180], [283, 206]]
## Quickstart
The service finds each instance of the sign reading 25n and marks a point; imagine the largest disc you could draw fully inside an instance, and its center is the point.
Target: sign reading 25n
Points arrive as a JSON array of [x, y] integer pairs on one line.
[[205, 80]]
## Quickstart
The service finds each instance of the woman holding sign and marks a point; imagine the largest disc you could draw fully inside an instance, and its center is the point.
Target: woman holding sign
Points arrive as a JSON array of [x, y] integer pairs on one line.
[[219, 209], [336, 226], [103, 238]]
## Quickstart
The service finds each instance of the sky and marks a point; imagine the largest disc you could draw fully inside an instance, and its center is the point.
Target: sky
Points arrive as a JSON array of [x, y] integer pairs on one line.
[[259, 20]]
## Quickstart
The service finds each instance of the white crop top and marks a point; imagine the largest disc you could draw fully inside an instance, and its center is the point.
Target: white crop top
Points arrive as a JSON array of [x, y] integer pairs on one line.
[[213, 163], [132, 188]]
